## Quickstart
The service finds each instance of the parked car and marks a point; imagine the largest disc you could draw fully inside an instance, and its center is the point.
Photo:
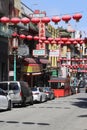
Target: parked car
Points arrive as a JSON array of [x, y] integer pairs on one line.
[[39, 95], [19, 92], [5, 100], [49, 92], [86, 89], [81, 86]]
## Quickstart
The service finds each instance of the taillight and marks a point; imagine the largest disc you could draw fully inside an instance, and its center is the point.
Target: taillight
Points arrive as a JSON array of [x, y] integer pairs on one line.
[[47, 92], [21, 94], [36, 93]]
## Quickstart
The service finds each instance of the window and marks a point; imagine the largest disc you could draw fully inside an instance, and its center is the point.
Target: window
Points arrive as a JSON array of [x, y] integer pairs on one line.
[[4, 86], [13, 86]]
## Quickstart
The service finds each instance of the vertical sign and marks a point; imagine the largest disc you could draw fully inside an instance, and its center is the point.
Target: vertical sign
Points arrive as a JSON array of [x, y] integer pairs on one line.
[[41, 34]]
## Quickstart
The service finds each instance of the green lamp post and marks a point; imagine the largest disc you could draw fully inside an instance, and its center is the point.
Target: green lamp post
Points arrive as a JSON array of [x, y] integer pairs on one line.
[[15, 47]]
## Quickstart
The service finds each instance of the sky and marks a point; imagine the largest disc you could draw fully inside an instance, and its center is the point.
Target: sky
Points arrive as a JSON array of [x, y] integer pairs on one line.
[[60, 8]]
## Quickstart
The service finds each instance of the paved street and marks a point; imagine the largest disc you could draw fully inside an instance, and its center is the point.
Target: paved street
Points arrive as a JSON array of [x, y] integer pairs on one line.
[[66, 113]]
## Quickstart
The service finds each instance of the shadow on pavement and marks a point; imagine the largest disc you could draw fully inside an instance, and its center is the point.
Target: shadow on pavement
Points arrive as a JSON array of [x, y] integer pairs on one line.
[[83, 116], [82, 103]]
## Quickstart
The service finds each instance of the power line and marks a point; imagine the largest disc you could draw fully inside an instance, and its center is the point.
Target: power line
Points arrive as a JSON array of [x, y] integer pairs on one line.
[[65, 14]]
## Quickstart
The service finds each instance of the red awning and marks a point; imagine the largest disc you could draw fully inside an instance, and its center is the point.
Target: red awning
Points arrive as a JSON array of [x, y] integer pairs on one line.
[[34, 61], [62, 80], [30, 60]]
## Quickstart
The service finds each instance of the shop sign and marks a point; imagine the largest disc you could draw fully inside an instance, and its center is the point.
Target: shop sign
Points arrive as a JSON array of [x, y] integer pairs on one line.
[[54, 53], [41, 34], [39, 52]]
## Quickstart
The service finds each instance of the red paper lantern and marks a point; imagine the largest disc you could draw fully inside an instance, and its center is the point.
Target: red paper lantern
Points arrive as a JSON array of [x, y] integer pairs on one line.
[[77, 17], [68, 42], [40, 41], [45, 20], [75, 42], [81, 42], [14, 34], [78, 39], [50, 39], [56, 19], [22, 36], [46, 42], [29, 37], [53, 42], [71, 40], [66, 18], [57, 39], [64, 39], [43, 38], [25, 20], [35, 20], [15, 20], [5, 20], [60, 42], [36, 38]]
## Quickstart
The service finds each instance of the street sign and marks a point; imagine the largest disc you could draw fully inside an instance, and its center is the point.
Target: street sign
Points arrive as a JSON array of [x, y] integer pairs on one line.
[[39, 52]]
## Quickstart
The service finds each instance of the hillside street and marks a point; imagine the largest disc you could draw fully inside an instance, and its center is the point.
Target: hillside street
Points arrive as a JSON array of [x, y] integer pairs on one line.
[[65, 113]]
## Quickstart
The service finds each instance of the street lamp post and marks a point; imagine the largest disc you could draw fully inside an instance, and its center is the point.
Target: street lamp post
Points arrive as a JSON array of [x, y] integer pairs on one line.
[[15, 47]]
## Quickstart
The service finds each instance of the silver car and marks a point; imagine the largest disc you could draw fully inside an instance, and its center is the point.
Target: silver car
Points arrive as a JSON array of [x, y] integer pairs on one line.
[[19, 92], [39, 95], [5, 100], [49, 92]]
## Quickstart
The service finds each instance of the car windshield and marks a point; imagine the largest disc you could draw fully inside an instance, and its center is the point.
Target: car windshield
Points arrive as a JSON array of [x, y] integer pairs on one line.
[[46, 89], [13, 86], [34, 89]]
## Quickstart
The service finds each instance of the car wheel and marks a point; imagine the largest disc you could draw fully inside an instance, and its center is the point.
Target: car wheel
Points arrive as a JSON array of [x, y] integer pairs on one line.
[[52, 97], [31, 102], [46, 98], [41, 99], [24, 102], [9, 105]]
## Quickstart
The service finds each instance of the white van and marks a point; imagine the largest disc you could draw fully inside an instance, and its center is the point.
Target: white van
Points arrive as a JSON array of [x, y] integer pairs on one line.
[[19, 92]]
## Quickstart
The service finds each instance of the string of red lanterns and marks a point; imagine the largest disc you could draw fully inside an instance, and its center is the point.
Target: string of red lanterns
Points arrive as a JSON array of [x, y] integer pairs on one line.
[[73, 59], [36, 20], [56, 19], [75, 66], [46, 20], [50, 40]]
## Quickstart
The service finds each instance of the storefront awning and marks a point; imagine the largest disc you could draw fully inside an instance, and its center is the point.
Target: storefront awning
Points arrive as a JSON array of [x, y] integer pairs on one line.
[[32, 68], [45, 61], [35, 61], [34, 74], [30, 60], [62, 80]]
